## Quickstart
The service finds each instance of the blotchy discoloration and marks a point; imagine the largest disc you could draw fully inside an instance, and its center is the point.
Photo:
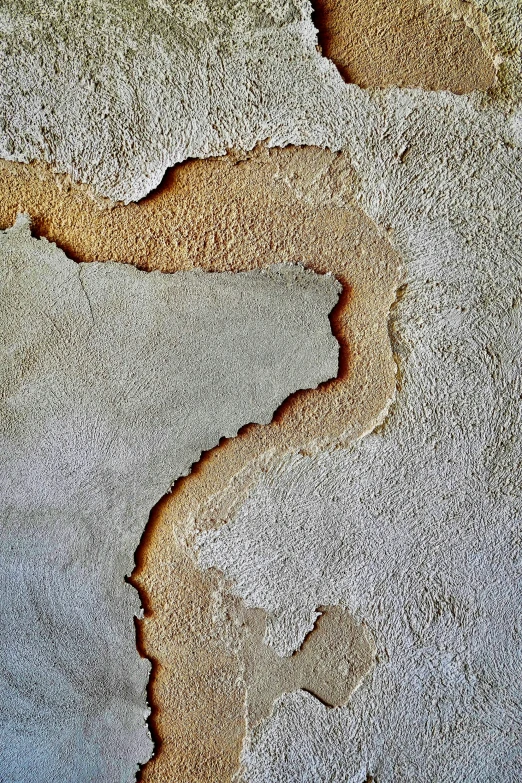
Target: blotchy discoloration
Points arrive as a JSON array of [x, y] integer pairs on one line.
[[433, 44], [234, 213]]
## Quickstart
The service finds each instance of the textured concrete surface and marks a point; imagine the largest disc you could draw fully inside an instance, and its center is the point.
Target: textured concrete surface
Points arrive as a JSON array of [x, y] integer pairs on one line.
[[330, 664], [416, 529], [113, 382], [213, 675], [94, 103], [241, 213], [413, 534], [235, 213], [437, 45]]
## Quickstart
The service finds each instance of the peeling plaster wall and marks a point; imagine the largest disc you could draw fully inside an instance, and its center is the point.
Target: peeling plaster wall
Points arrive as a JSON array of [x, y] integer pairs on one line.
[[416, 529], [94, 103], [113, 382], [405, 544], [437, 44]]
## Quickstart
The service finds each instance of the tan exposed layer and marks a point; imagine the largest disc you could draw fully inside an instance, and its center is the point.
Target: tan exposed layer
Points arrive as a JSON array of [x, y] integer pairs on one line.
[[330, 664], [437, 45], [213, 673], [238, 212]]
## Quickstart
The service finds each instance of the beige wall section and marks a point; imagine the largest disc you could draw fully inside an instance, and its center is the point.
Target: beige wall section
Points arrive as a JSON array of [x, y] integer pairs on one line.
[[240, 212], [437, 45], [213, 675]]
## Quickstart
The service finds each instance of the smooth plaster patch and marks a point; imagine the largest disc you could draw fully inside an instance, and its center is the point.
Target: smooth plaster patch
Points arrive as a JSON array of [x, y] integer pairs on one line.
[[243, 212], [113, 382], [433, 44]]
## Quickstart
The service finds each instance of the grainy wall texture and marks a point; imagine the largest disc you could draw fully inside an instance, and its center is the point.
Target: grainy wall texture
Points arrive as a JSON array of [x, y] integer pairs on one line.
[[434, 44], [114, 381], [236, 213], [331, 595]]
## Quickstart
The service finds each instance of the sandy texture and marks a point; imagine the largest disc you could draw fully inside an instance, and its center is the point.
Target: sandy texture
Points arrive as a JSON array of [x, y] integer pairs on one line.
[[237, 213], [330, 664], [240, 213], [113, 382], [81, 91], [436, 45], [416, 529], [214, 677], [244, 212], [506, 26]]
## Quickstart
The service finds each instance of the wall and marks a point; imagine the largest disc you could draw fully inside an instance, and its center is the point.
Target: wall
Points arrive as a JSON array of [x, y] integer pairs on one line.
[[332, 593]]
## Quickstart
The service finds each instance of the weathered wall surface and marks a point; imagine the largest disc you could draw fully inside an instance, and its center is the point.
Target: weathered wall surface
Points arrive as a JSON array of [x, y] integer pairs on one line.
[[305, 560], [113, 383], [93, 102], [437, 44], [417, 528], [236, 213]]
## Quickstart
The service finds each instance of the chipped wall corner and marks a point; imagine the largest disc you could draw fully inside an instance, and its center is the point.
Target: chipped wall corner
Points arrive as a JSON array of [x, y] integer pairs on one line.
[[261, 391]]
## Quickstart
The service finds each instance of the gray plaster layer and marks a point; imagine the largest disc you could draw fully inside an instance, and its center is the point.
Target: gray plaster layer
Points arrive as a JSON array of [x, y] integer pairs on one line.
[[417, 529], [112, 383]]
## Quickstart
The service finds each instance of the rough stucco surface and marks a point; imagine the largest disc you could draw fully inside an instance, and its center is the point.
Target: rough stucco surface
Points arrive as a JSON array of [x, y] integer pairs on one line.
[[416, 529], [437, 45], [235, 213], [213, 675], [113, 382], [94, 103]]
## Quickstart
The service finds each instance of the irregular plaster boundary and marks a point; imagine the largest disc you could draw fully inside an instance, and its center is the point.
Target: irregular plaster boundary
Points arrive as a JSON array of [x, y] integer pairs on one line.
[[113, 379], [236, 213], [103, 111]]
